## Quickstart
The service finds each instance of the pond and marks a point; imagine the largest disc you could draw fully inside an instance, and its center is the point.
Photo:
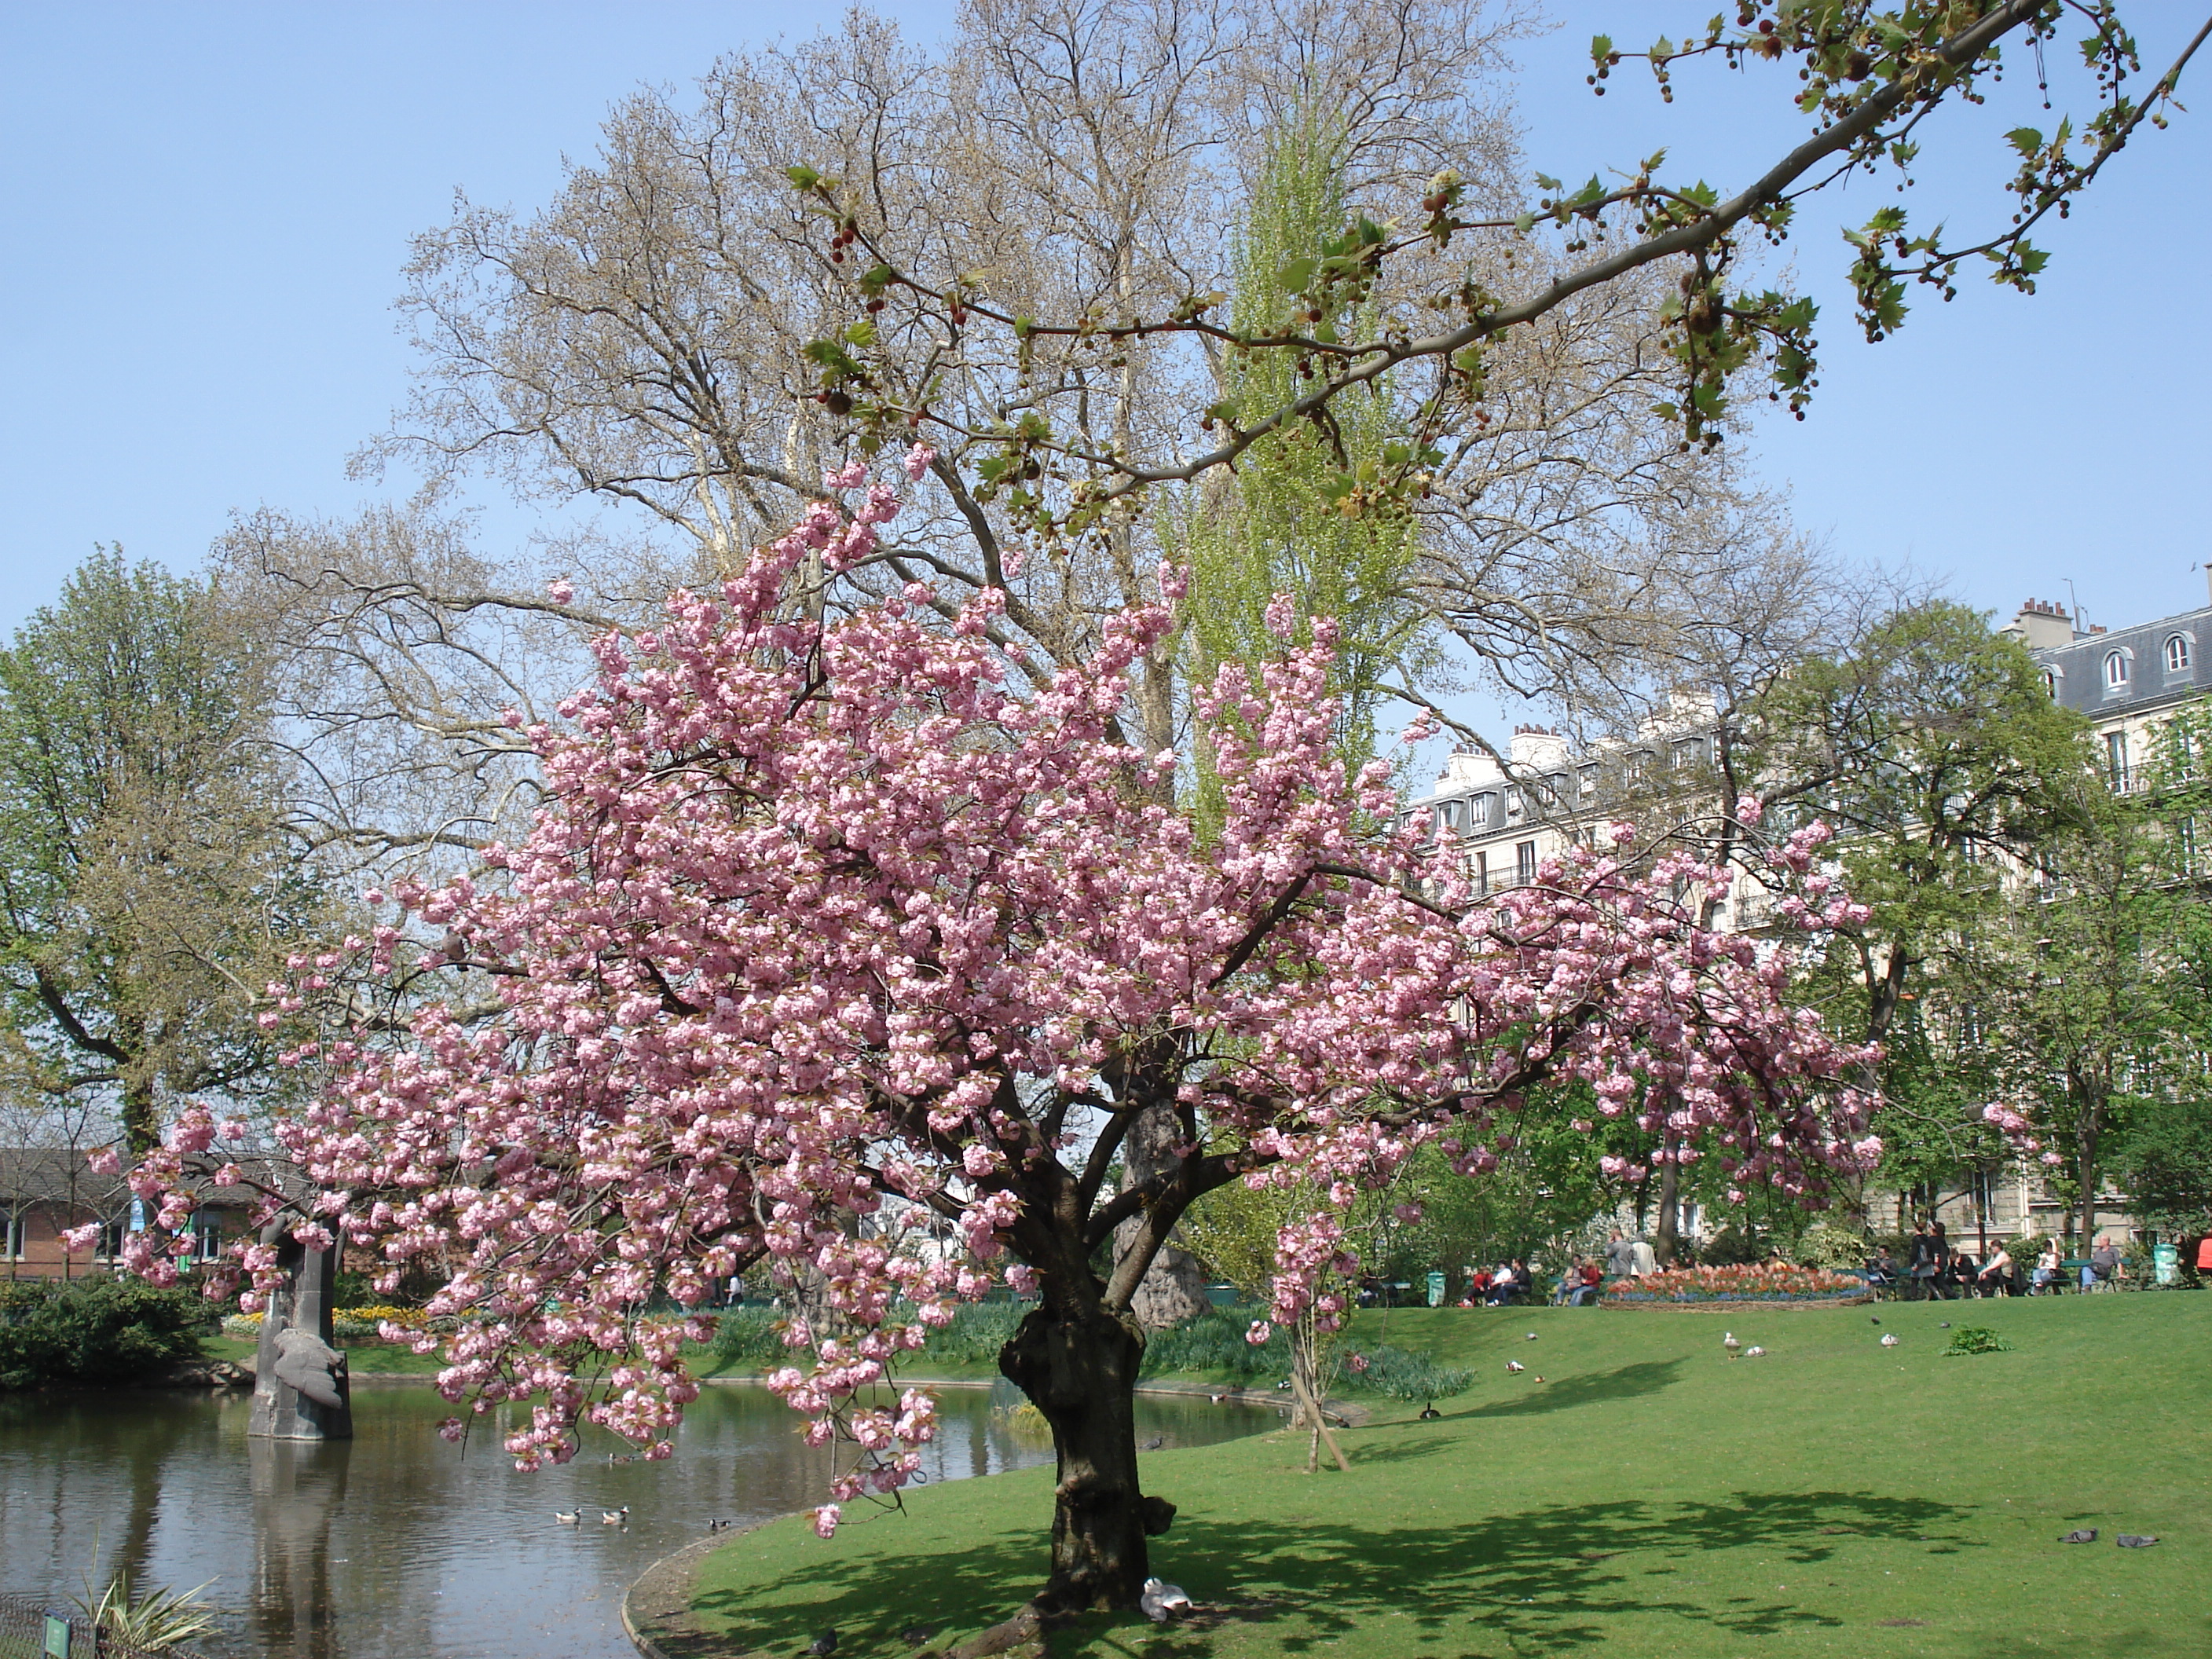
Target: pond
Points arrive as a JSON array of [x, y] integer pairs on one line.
[[395, 1544]]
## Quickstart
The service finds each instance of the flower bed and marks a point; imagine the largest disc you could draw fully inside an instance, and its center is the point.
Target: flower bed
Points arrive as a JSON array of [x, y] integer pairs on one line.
[[347, 1324], [1760, 1283]]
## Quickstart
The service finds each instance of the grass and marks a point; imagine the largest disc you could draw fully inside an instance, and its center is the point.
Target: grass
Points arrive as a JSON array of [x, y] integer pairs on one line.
[[363, 1358], [1652, 1498]]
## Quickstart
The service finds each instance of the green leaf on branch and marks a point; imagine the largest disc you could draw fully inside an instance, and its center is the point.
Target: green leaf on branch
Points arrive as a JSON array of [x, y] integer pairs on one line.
[[803, 178], [1601, 50], [2027, 140]]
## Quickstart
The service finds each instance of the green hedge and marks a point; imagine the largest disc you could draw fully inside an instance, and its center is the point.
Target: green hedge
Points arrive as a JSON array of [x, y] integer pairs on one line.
[[96, 1331]]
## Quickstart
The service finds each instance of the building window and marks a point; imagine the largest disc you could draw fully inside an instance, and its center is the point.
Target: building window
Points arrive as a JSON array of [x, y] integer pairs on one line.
[[111, 1234], [207, 1235], [1482, 875], [2184, 838], [1687, 754], [2116, 758], [1479, 810], [1524, 862], [2116, 671], [1590, 781], [2050, 683], [1513, 803], [2177, 653], [13, 1225]]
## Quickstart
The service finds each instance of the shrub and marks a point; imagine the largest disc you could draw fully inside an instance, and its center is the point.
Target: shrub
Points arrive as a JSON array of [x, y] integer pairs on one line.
[[750, 1336], [1976, 1338], [1214, 1342], [97, 1331], [1402, 1375], [1827, 1244]]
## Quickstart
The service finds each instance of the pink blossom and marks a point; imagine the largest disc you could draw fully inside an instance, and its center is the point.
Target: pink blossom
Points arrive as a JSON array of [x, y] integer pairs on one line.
[[764, 993]]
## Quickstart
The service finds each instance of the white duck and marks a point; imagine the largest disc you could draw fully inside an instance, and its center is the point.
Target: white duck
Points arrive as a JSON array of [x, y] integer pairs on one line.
[[1889, 1339], [1161, 1600]]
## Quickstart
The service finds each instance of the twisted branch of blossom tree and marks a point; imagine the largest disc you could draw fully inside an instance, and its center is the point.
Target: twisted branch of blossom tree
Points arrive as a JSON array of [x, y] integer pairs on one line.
[[825, 918]]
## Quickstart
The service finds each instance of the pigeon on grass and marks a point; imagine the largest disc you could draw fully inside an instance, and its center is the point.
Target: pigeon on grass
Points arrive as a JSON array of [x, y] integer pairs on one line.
[[2080, 1535], [825, 1644], [1161, 1600], [2135, 1540]]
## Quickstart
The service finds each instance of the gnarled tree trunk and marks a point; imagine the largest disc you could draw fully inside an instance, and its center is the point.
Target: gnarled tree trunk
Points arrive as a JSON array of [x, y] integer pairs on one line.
[[1078, 1365]]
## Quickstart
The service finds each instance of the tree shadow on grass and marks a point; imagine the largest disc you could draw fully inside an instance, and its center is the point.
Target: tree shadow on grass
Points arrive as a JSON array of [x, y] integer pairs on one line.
[[1624, 1382], [1547, 1580]]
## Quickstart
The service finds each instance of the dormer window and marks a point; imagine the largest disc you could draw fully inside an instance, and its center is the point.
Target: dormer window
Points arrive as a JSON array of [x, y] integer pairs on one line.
[[1478, 810], [2050, 683], [2177, 653], [2119, 665]]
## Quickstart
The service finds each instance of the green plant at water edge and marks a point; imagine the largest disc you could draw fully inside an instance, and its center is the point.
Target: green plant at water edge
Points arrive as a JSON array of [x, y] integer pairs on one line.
[[154, 1621], [749, 1335], [1398, 1375], [1214, 1342], [1976, 1338], [97, 1331]]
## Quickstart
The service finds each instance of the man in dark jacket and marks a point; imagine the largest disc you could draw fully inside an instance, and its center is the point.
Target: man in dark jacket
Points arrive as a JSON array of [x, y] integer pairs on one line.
[[1930, 1255]]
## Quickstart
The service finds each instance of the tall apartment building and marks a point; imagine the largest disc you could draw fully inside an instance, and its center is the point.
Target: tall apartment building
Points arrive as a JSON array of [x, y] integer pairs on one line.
[[2124, 683], [1508, 818]]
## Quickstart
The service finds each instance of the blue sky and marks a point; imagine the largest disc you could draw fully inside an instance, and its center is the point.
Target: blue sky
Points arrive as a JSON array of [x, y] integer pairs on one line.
[[207, 208]]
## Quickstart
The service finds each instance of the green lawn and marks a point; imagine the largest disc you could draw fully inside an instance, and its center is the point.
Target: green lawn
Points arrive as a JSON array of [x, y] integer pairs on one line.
[[363, 1358], [1651, 1497]]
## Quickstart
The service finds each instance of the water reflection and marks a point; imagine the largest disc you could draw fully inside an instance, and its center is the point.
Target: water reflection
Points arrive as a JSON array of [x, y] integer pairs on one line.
[[397, 1544]]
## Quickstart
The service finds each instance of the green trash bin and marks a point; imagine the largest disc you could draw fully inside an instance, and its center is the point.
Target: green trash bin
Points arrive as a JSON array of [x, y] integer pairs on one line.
[[1435, 1290], [2165, 1262]]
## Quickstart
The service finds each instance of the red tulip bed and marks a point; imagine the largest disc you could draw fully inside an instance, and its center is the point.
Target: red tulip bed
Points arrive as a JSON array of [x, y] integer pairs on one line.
[[1760, 1283]]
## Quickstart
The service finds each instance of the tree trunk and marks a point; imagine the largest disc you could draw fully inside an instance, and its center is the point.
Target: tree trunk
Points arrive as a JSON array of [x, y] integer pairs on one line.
[[1078, 1366], [1664, 1241], [141, 1123], [2084, 1140], [1173, 1287]]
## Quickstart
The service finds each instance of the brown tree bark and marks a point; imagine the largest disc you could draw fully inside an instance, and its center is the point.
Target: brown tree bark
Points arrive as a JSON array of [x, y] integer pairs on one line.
[[1078, 1365]]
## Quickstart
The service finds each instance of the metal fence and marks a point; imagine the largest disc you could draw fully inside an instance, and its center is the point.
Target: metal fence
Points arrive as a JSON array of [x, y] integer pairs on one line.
[[35, 1630]]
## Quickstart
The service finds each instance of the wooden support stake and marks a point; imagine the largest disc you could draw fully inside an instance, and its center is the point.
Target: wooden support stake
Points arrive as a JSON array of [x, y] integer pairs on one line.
[[1320, 1423]]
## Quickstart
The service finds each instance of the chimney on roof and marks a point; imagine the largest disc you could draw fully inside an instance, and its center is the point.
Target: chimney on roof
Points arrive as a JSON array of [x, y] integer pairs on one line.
[[2040, 624]]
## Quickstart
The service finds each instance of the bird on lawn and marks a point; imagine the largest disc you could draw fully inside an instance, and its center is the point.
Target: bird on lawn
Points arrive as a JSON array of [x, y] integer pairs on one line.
[[614, 1517], [1871, 1320], [1729, 1341], [1155, 1443], [1163, 1600], [1888, 1338], [1429, 1413], [1514, 1365], [1540, 1378], [1531, 1337], [825, 1644], [2135, 1540], [569, 1518], [915, 1635], [1945, 1326], [1753, 1352]]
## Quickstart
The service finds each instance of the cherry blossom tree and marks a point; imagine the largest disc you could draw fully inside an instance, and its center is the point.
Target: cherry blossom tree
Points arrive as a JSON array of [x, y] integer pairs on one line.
[[827, 920]]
